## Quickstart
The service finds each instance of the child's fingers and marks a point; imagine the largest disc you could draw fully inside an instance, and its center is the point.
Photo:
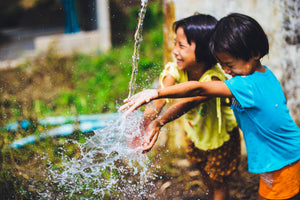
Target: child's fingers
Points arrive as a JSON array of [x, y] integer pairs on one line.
[[132, 98], [148, 146], [148, 139], [136, 105], [129, 102], [138, 100], [129, 99], [132, 107], [148, 136], [126, 100], [125, 106]]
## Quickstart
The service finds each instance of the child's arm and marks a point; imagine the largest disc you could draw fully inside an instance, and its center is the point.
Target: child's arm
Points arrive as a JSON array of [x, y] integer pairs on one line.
[[195, 88], [186, 89], [153, 110], [174, 112]]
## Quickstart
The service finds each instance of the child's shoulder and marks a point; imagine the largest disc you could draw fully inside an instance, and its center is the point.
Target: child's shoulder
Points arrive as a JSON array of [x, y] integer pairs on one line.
[[214, 71], [171, 68]]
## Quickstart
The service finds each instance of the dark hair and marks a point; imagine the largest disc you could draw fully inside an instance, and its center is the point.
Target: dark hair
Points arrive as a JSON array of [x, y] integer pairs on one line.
[[198, 28], [240, 36]]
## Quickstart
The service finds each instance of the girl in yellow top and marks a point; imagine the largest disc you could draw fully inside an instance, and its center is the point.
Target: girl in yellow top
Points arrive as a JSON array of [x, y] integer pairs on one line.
[[211, 130]]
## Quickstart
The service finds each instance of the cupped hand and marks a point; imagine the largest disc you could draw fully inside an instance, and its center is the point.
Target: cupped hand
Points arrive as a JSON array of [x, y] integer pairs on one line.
[[151, 136], [147, 146]]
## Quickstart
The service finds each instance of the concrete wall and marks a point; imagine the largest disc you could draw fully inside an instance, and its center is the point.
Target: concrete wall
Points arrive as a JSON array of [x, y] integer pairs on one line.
[[27, 42], [84, 41]]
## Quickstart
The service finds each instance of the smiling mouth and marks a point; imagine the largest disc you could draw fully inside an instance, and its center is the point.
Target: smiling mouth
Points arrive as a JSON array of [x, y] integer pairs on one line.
[[179, 61]]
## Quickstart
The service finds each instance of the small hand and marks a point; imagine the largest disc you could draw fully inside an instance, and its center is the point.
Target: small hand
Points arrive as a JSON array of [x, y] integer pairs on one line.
[[147, 146], [150, 139], [138, 100], [134, 139]]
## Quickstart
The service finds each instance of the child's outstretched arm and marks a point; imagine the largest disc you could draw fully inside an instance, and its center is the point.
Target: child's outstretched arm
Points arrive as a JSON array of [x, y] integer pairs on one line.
[[186, 89], [153, 110], [174, 112]]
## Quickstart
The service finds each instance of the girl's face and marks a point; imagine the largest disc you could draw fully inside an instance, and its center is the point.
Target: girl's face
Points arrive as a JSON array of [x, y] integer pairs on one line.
[[183, 51], [239, 67]]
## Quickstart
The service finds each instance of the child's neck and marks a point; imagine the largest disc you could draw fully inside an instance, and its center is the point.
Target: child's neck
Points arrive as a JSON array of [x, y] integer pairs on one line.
[[195, 72], [260, 68]]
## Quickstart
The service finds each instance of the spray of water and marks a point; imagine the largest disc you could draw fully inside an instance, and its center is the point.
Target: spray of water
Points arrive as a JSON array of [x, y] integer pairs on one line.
[[137, 41], [110, 165]]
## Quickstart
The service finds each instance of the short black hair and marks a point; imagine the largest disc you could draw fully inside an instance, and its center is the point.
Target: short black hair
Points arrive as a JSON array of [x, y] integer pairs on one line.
[[240, 36], [198, 28]]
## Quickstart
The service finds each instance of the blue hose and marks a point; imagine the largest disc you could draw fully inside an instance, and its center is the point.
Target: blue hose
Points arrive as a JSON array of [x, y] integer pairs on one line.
[[87, 123]]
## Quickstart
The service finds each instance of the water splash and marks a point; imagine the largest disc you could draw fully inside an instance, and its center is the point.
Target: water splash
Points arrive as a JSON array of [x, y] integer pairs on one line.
[[137, 41], [110, 165]]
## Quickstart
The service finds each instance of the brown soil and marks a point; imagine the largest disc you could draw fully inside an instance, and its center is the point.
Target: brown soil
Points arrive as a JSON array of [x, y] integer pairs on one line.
[[184, 183]]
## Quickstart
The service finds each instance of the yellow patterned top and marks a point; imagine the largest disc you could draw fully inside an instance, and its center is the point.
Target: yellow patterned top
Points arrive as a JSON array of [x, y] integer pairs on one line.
[[208, 124]]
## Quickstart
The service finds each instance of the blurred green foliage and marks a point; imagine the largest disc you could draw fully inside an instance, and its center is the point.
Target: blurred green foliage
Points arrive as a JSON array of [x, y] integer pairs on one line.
[[100, 83]]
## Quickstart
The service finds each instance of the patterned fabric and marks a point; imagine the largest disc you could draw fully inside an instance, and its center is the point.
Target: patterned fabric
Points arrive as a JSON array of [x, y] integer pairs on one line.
[[218, 163]]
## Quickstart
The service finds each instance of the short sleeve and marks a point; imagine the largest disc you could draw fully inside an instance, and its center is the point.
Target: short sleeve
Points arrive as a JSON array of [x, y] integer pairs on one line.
[[171, 69], [242, 90]]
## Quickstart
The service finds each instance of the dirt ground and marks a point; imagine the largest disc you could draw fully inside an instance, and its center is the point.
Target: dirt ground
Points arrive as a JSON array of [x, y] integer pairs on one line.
[[184, 183]]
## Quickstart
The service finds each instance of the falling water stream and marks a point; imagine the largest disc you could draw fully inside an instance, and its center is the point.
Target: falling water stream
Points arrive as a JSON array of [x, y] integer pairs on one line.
[[137, 41]]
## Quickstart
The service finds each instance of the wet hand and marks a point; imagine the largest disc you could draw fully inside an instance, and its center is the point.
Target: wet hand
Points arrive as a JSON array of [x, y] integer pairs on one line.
[[138, 100], [151, 137], [147, 146]]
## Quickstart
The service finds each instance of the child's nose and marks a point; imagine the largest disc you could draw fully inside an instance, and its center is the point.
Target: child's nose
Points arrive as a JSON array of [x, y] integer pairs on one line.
[[175, 51]]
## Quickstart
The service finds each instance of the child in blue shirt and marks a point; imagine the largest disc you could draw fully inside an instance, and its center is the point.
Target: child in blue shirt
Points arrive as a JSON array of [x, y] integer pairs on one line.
[[272, 137]]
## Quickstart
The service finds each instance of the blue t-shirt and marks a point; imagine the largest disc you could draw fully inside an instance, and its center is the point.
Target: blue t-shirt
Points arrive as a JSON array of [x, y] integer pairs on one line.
[[272, 137]]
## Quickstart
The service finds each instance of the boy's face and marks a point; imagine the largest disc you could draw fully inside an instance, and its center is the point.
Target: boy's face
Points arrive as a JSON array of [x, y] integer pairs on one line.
[[183, 51], [238, 67]]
